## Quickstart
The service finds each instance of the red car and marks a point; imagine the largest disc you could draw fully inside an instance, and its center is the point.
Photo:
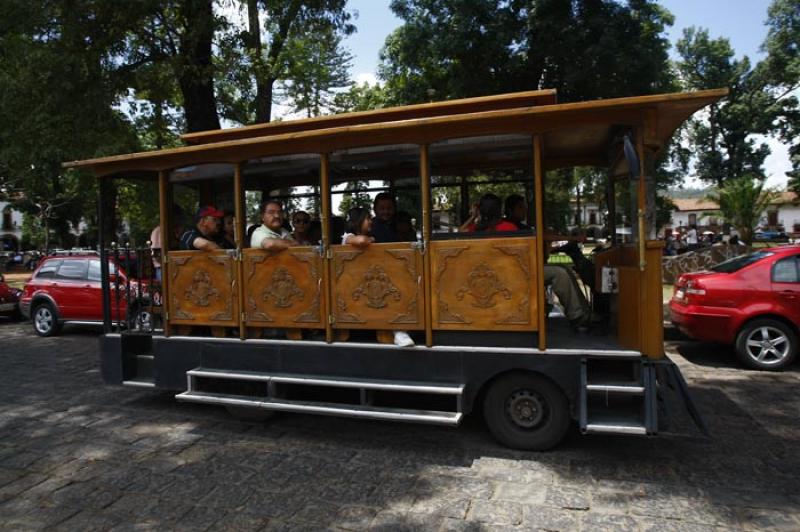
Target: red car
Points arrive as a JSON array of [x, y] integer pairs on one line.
[[751, 302], [9, 299], [68, 290]]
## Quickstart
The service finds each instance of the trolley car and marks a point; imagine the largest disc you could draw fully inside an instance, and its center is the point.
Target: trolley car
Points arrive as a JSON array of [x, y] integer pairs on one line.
[[304, 329]]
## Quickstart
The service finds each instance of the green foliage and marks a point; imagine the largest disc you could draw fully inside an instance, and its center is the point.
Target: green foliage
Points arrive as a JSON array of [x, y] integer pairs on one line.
[[319, 66], [363, 97], [723, 142], [741, 202], [453, 49], [355, 196]]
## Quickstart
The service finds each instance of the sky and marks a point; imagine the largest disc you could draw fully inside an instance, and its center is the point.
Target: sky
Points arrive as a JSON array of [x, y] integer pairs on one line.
[[741, 21]]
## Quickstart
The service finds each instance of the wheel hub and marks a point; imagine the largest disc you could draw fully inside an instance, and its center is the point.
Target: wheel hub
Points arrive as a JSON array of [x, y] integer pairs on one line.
[[525, 409]]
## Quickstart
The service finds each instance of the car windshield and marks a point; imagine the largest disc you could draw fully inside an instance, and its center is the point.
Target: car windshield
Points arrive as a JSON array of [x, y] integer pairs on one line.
[[737, 263]]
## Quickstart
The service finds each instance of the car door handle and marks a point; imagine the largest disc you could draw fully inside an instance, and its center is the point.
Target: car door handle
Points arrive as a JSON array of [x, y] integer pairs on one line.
[[788, 294]]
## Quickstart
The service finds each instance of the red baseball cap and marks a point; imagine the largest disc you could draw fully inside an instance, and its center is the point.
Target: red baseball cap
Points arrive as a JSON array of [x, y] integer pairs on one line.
[[208, 210]]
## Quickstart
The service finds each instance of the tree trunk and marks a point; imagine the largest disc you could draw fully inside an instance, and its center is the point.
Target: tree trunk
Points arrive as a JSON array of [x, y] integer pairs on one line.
[[195, 73]]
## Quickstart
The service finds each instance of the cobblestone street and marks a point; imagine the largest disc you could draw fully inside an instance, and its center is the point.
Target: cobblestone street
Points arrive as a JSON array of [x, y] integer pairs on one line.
[[78, 455]]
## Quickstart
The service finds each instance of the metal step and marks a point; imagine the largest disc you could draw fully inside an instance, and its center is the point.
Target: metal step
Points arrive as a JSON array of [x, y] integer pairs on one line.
[[339, 382], [140, 383], [630, 388], [356, 411], [618, 426]]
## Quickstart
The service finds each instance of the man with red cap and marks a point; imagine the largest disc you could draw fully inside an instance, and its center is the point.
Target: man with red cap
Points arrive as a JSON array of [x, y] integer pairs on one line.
[[201, 236]]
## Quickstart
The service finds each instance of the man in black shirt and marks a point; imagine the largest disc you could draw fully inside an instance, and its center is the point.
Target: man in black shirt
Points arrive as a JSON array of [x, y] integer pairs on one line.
[[383, 229], [202, 235]]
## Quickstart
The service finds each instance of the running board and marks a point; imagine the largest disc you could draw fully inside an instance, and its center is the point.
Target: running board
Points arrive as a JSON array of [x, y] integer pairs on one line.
[[615, 427], [334, 396], [139, 383], [328, 409]]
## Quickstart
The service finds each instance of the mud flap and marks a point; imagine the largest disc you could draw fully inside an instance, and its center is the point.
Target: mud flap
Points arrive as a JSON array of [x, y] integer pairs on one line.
[[674, 397]]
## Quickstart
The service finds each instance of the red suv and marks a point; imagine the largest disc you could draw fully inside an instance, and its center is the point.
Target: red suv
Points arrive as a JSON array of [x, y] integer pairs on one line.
[[68, 290], [751, 302]]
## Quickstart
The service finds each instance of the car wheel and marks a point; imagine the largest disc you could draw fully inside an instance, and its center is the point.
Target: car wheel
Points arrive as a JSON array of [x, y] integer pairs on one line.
[[249, 413], [45, 322], [766, 344], [526, 411]]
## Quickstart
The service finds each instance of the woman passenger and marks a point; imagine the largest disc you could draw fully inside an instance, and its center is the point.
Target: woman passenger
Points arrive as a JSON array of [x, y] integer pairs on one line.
[[359, 226], [487, 216], [301, 223]]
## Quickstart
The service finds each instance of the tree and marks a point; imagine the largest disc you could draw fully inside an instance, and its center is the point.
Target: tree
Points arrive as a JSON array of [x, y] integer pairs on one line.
[[724, 142], [453, 49], [363, 97], [257, 58], [319, 66], [782, 67], [742, 201]]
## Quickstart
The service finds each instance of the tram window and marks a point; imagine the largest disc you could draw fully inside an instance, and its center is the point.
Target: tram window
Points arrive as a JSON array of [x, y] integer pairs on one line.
[[463, 170], [388, 173], [197, 186], [293, 180]]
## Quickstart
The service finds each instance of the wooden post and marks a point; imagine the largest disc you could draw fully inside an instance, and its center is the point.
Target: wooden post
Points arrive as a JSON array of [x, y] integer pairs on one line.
[[239, 235], [327, 280], [166, 232], [538, 252], [425, 189]]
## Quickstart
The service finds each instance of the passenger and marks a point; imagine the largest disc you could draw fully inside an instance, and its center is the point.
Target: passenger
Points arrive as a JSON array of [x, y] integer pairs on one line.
[[383, 226], [227, 239], [202, 235], [338, 227], [357, 233], [486, 216], [315, 232], [271, 235], [404, 227], [516, 211], [301, 223], [249, 234]]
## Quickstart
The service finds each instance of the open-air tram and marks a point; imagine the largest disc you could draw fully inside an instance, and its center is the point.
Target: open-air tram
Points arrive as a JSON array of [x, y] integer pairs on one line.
[[295, 330]]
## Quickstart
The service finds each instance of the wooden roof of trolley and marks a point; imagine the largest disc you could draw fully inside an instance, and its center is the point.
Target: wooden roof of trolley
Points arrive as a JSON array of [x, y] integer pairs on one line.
[[574, 134]]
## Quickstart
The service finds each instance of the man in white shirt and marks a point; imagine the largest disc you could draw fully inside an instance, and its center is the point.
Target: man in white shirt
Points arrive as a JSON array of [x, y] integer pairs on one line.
[[271, 235], [691, 236]]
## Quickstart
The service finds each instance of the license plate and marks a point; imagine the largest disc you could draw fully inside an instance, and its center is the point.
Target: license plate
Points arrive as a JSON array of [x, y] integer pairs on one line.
[[679, 294], [7, 306]]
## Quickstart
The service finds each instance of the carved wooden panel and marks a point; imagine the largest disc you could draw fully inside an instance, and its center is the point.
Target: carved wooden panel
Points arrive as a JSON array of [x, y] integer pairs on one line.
[[484, 285], [283, 289], [202, 288], [378, 287]]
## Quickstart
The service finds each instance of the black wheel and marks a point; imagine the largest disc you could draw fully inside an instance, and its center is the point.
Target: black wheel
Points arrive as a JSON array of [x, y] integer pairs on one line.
[[526, 411], [766, 344], [45, 320], [249, 413]]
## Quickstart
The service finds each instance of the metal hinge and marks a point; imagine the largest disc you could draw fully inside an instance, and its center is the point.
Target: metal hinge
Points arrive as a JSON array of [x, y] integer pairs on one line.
[[329, 253], [331, 319], [242, 317], [166, 316]]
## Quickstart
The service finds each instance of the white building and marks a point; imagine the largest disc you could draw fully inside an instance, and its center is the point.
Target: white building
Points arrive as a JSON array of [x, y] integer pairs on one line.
[[782, 214], [10, 228]]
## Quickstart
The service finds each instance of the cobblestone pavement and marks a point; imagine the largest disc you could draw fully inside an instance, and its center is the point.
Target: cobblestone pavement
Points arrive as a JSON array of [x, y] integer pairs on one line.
[[78, 455]]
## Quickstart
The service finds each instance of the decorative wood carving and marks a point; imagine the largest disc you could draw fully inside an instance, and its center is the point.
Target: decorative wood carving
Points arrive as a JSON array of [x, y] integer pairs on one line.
[[342, 257], [376, 287], [342, 316], [483, 284], [522, 255], [282, 289], [203, 288], [489, 286]]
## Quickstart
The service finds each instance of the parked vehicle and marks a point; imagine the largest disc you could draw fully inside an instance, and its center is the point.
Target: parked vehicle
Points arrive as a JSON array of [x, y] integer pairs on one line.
[[751, 302], [9, 299], [771, 236], [67, 289]]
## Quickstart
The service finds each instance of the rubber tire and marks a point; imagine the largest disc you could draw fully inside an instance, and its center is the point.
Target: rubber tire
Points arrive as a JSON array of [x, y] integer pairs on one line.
[[747, 360], [249, 413], [54, 328], [548, 433]]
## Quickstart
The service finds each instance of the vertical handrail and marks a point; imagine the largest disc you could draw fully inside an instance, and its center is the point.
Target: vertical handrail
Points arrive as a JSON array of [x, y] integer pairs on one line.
[[151, 287], [127, 286], [325, 197], [538, 177], [104, 275], [425, 191], [115, 254], [238, 234], [165, 228]]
